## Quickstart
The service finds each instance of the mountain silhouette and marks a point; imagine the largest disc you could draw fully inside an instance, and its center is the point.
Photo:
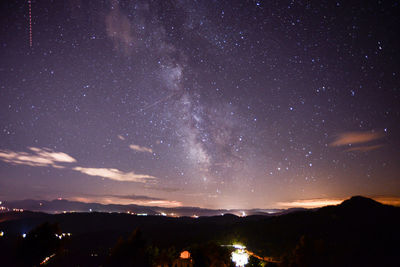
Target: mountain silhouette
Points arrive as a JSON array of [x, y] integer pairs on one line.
[[357, 232]]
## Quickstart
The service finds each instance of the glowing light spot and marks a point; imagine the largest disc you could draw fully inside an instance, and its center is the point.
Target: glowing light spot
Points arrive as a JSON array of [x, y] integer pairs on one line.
[[185, 255], [240, 257], [237, 246]]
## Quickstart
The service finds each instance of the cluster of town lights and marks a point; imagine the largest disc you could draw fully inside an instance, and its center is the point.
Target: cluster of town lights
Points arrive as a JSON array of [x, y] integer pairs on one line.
[[62, 235], [18, 210]]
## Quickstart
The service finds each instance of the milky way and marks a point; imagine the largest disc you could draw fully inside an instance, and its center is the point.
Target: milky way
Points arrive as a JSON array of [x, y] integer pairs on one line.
[[221, 104]]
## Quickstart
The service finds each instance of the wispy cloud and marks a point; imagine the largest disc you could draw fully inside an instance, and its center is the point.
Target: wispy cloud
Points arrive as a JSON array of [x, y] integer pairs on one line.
[[164, 189], [38, 157], [45, 157], [351, 138], [140, 148], [135, 197], [115, 174], [149, 201], [127, 200], [364, 148], [136, 147]]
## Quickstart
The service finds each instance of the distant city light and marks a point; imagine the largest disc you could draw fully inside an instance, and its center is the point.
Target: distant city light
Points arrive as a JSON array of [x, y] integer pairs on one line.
[[62, 235], [1, 233], [23, 235], [18, 210]]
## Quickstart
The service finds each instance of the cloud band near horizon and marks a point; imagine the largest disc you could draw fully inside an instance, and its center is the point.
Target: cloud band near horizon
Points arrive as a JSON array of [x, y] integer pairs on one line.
[[45, 157]]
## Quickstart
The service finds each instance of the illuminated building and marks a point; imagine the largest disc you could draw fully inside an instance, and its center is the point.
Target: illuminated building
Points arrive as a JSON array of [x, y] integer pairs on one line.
[[185, 260], [239, 256], [185, 255]]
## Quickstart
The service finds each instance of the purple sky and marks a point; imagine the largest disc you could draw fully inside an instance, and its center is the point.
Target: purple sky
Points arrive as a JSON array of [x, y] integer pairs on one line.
[[218, 104]]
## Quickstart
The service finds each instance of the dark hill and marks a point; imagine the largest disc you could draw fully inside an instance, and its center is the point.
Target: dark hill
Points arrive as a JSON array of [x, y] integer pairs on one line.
[[358, 232], [61, 205], [360, 201], [362, 204]]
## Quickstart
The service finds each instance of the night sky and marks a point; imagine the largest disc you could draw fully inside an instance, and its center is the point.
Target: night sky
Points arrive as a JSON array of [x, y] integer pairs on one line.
[[218, 104]]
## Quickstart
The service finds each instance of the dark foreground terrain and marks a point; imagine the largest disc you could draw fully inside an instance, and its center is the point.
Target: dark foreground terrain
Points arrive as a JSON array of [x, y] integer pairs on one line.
[[358, 232]]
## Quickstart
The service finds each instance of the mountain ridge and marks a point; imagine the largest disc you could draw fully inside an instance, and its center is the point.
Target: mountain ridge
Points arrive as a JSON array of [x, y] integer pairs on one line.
[[360, 203], [61, 205]]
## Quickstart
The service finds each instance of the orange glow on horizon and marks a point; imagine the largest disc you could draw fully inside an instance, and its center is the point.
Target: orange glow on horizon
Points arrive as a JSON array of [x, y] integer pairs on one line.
[[310, 203], [321, 202], [394, 201]]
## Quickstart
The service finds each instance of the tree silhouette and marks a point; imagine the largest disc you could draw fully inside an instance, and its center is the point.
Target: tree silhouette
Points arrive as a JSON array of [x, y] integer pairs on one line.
[[130, 252], [211, 254], [39, 243]]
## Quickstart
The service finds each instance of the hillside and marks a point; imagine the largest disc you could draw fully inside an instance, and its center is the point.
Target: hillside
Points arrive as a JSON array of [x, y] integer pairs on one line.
[[339, 235]]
